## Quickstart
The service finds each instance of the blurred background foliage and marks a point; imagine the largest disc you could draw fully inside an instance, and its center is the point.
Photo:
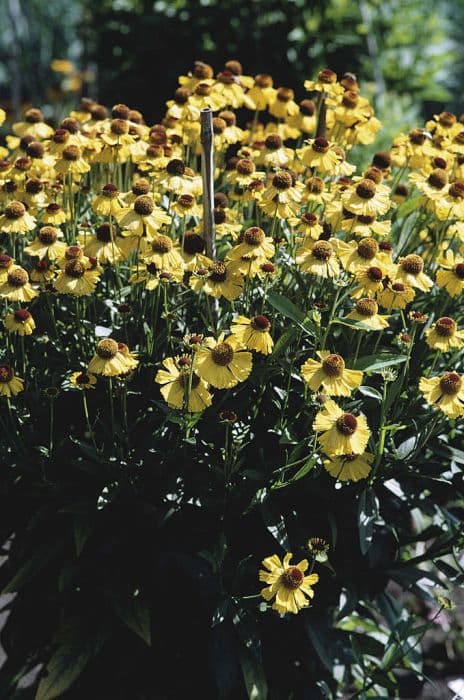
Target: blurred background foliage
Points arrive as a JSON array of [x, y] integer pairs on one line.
[[408, 54]]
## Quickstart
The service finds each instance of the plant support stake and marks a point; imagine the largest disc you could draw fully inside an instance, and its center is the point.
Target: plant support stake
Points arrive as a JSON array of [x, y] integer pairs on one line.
[[207, 173]]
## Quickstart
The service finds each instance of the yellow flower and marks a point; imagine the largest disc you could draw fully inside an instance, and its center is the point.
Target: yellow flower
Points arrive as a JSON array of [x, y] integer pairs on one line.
[[222, 363], [62, 65], [244, 174], [307, 225], [83, 380], [287, 583], [151, 276], [186, 206], [71, 161], [16, 287], [262, 93], [445, 392], [326, 82], [108, 202], [104, 247], [320, 155], [444, 335], [281, 198], [176, 379], [9, 384], [253, 333], [108, 360], [331, 374], [349, 467], [451, 278], [283, 105], [355, 256], [218, 279], [252, 242], [143, 217], [77, 279], [371, 281], [395, 295], [161, 252], [433, 186], [410, 271], [366, 199], [318, 259], [340, 433], [33, 125], [16, 219], [20, 322], [54, 215], [47, 244], [367, 311]]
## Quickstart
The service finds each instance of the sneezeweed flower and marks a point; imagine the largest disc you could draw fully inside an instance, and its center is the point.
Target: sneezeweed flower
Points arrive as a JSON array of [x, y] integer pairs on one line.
[[151, 276], [103, 246], [352, 467], [262, 93], [245, 173], [222, 362], [283, 105], [143, 217], [367, 311], [253, 333], [366, 199], [326, 83], [451, 277], [16, 287], [370, 280], [307, 225], [340, 433], [445, 392], [6, 264], [253, 242], [72, 161], [20, 322], [180, 382], [42, 273], [287, 583], [77, 278], [281, 198], [108, 202], [218, 279], [318, 259], [108, 360], [318, 549], [355, 256], [330, 374], [83, 380], [444, 335], [161, 252], [16, 219], [320, 155], [186, 206], [129, 358], [47, 244], [10, 385], [395, 295], [54, 215], [33, 125], [410, 271]]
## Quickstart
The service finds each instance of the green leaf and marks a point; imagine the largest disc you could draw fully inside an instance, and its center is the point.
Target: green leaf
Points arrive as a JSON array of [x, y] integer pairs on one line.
[[82, 527], [33, 566], [367, 514], [253, 675], [135, 613], [69, 660], [408, 206], [284, 341], [371, 392], [375, 363], [285, 306]]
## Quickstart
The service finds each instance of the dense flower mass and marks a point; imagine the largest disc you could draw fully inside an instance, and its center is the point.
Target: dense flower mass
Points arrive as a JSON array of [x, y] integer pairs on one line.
[[313, 319]]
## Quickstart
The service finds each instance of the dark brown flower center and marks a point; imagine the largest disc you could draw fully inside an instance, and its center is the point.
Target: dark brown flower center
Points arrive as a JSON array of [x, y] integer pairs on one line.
[[6, 374], [366, 307], [374, 273], [263, 80], [366, 189], [456, 190], [260, 323], [333, 365], [326, 75], [33, 186], [438, 178], [18, 277], [103, 233], [398, 287], [315, 185], [218, 272], [186, 201], [350, 99], [193, 243], [285, 94], [71, 153], [75, 269], [144, 205], [161, 244], [48, 235], [254, 236], [282, 181], [292, 578], [141, 187], [368, 248], [450, 383], [222, 354], [445, 326], [346, 424], [412, 264], [322, 250], [119, 127], [22, 315], [107, 348], [245, 166], [320, 145], [175, 167], [382, 160], [459, 271], [14, 210], [110, 191], [273, 142]]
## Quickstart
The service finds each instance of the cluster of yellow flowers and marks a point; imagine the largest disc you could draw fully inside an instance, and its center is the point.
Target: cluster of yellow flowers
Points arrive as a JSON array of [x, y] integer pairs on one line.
[[106, 206]]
